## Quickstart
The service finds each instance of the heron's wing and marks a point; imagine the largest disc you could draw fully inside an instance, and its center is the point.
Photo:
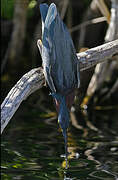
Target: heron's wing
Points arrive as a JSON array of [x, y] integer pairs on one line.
[[43, 11], [61, 67], [47, 16], [49, 79], [63, 58]]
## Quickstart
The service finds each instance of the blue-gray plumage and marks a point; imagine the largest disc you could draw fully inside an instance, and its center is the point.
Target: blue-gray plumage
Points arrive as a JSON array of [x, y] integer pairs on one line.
[[60, 63]]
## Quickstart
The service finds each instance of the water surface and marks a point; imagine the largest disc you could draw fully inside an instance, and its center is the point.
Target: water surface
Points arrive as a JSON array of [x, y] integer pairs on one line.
[[32, 146]]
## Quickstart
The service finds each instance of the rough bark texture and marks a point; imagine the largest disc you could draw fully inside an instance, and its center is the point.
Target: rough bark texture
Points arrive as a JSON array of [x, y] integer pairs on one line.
[[29, 83], [34, 79], [104, 73]]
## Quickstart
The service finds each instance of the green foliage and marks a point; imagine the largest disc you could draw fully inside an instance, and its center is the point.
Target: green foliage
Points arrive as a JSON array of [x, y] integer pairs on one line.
[[32, 4], [7, 9]]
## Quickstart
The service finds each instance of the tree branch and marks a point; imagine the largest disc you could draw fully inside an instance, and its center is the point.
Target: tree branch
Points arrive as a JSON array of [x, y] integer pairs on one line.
[[87, 23], [29, 83], [97, 55], [34, 79], [103, 71]]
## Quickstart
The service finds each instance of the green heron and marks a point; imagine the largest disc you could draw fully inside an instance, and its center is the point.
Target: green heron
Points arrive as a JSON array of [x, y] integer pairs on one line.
[[60, 63]]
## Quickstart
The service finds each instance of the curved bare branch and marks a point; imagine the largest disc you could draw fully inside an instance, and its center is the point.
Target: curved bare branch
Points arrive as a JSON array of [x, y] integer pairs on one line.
[[34, 79]]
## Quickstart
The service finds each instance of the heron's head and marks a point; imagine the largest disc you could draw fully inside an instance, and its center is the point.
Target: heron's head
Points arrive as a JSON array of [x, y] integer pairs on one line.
[[63, 111], [69, 99]]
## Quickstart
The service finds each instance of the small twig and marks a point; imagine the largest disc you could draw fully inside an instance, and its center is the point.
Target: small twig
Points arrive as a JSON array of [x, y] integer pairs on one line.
[[112, 90], [104, 9], [86, 23], [64, 8]]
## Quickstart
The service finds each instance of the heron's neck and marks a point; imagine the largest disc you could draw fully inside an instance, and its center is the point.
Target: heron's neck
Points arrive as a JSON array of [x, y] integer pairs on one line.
[[63, 102]]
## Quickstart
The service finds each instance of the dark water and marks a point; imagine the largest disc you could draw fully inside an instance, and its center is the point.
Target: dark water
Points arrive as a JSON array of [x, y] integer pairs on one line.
[[32, 146]]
